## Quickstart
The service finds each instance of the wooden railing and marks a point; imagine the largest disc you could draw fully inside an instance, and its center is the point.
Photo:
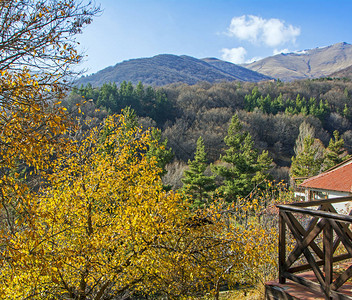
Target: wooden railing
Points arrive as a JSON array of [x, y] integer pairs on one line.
[[318, 241]]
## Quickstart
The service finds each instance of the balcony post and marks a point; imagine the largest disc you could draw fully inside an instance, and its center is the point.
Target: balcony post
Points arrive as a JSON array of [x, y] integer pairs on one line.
[[328, 257], [282, 246]]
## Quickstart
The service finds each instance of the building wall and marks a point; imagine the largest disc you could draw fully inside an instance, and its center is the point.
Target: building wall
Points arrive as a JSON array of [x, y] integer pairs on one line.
[[343, 207]]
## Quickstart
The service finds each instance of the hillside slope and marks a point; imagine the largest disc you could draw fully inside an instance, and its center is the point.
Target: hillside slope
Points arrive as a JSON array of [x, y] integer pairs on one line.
[[237, 71], [314, 63], [166, 68], [345, 73]]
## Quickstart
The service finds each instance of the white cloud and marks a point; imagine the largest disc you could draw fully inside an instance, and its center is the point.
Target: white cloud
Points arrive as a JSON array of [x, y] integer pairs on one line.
[[234, 55], [246, 27], [271, 32]]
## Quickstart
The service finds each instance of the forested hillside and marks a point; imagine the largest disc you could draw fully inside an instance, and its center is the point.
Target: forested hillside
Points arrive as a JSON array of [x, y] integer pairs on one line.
[[167, 69], [271, 111]]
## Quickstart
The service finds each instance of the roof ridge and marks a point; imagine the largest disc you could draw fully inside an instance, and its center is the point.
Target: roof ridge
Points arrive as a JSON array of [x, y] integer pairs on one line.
[[329, 171]]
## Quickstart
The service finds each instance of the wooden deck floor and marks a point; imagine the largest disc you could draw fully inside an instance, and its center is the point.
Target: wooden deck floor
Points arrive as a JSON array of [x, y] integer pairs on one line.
[[292, 291]]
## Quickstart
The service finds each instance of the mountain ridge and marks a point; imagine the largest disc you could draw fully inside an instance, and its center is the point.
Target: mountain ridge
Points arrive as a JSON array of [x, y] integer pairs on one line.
[[344, 73], [334, 60], [165, 69], [310, 63]]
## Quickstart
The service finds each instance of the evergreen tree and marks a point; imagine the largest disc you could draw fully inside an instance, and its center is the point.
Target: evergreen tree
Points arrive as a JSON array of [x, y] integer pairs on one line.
[[346, 112], [242, 167], [139, 91], [263, 165], [335, 152], [195, 182], [308, 162], [159, 150], [264, 103]]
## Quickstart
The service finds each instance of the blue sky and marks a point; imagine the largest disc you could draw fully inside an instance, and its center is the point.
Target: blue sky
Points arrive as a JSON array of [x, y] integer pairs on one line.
[[234, 30]]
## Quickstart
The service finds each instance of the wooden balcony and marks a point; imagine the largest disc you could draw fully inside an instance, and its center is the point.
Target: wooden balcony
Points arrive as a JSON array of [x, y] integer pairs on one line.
[[315, 251]]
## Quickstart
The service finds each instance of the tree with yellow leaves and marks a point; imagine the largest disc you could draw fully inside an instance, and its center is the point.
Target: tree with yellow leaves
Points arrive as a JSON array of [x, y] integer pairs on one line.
[[105, 227], [89, 218], [37, 48], [91, 229]]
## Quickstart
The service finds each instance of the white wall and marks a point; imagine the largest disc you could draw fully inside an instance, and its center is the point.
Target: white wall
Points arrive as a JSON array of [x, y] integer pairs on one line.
[[343, 207]]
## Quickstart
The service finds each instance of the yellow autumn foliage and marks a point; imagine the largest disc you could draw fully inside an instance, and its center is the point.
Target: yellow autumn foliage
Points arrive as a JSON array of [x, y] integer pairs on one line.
[[34, 71], [88, 218], [104, 225]]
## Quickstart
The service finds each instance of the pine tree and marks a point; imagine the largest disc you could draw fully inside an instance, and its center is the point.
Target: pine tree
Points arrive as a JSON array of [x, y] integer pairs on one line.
[[195, 182], [242, 167], [308, 161], [335, 152], [263, 165], [346, 112], [158, 149], [139, 91]]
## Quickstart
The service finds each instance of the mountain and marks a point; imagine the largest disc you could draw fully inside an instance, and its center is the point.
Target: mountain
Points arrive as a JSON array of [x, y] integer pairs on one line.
[[314, 63], [166, 68], [345, 73], [237, 71]]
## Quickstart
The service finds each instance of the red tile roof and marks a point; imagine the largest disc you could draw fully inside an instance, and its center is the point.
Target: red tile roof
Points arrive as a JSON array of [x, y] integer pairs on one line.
[[338, 178]]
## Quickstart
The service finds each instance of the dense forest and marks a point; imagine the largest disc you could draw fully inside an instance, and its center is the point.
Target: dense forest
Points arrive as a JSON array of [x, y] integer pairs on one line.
[[271, 111]]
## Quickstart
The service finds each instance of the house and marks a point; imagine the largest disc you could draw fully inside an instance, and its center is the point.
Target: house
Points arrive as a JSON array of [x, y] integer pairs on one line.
[[333, 183]]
